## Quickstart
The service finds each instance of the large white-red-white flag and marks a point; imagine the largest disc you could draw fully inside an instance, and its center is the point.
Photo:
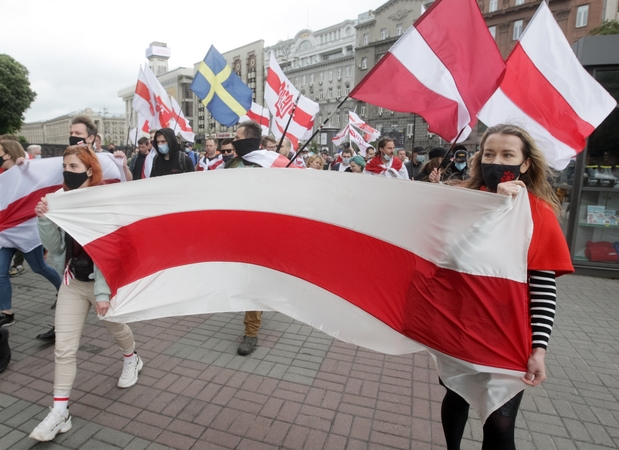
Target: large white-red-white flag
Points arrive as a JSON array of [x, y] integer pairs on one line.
[[437, 294], [279, 96], [548, 92], [444, 68], [258, 114], [143, 99], [21, 188]]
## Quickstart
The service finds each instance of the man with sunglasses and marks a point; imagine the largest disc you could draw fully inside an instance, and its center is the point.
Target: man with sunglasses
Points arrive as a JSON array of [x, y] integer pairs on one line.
[[227, 152], [212, 159]]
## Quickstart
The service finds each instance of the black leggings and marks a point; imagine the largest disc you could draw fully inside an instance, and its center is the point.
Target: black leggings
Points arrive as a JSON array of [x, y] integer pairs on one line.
[[498, 429]]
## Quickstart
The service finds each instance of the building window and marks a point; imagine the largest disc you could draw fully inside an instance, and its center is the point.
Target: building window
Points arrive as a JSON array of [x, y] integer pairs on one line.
[[331, 75], [364, 63], [582, 16], [366, 39], [338, 92], [492, 31], [330, 93], [493, 5], [321, 77], [383, 33], [339, 73], [517, 30], [296, 81], [336, 119], [321, 95], [347, 71], [398, 29], [380, 111], [312, 78], [519, 2], [303, 80]]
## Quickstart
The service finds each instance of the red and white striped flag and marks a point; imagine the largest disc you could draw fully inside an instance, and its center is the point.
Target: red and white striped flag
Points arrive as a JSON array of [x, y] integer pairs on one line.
[[437, 294], [142, 130], [22, 187], [359, 140], [143, 100], [280, 95], [444, 68], [258, 114], [370, 134], [341, 136], [160, 101], [548, 92], [179, 123]]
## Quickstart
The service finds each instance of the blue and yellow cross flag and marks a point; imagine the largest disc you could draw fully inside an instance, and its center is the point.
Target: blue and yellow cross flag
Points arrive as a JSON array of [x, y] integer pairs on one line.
[[222, 92]]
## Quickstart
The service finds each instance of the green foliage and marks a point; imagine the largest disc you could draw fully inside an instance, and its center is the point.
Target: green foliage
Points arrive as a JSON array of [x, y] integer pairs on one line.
[[15, 94], [22, 140], [607, 27]]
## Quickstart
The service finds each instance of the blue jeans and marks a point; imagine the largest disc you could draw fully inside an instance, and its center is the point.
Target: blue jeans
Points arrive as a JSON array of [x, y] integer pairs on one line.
[[37, 264]]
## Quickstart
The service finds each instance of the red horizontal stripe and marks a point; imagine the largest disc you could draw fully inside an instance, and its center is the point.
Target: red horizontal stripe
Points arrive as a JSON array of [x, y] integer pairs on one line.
[[273, 80], [22, 209], [482, 320], [529, 89], [405, 93], [262, 120]]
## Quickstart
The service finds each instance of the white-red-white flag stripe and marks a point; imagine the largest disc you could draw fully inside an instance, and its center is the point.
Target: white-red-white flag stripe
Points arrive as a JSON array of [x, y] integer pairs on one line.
[[143, 100], [359, 140], [548, 92], [444, 68], [160, 101], [258, 114], [370, 133], [436, 293], [341, 136], [179, 123], [22, 187], [279, 96]]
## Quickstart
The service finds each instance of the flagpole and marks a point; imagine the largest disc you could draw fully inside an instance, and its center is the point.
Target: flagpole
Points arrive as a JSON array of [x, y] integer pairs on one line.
[[317, 131], [129, 129], [294, 108]]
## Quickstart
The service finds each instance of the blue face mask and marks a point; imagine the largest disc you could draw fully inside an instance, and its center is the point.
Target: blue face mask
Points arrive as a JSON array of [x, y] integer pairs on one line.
[[37, 157], [421, 158], [164, 149], [460, 165]]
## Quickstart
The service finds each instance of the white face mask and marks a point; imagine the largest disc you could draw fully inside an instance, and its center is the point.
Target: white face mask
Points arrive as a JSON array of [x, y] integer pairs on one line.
[[346, 160], [386, 157]]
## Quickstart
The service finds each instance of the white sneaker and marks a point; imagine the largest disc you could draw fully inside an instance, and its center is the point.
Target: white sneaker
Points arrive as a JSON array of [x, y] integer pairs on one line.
[[130, 373], [55, 422]]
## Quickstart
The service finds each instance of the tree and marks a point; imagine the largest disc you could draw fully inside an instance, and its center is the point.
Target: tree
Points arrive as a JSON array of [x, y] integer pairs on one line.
[[15, 94], [607, 27]]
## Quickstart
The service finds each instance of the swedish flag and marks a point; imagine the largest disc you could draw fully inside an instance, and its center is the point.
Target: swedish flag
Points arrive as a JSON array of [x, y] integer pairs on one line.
[[223, 93]]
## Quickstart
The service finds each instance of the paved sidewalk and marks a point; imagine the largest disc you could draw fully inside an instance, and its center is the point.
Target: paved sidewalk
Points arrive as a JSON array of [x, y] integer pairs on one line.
[[301, 389]]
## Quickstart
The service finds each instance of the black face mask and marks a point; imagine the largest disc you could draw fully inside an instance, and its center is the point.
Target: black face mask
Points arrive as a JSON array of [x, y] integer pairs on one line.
[[494, 174], [227, 157], [74, 180], [75, 140], [245, 146]]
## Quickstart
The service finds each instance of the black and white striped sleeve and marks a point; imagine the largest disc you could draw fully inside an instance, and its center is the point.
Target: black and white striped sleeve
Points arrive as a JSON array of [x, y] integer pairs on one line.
[[543, 292]]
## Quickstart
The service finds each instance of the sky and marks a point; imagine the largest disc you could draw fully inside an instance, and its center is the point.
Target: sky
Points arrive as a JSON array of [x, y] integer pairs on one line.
[[80, 54]]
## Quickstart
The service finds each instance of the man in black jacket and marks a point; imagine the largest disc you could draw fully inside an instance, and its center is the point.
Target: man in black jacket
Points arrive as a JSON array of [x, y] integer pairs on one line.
[[170, 157]]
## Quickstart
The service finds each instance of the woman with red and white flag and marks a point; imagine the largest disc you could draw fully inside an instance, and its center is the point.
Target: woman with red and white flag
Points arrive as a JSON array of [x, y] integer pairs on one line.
[[84, 286], [22, 236], [508, 161]]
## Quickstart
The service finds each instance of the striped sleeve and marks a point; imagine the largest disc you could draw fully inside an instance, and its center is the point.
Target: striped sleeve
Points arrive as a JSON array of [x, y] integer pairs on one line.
[[543, 293]]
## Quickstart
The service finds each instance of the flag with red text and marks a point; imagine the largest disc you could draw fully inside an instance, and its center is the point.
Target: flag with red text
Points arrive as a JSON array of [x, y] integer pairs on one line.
[[548, 92], [258, 114], [444, 68], [369, 133], [279, 96], [160, 101], [439, 293]]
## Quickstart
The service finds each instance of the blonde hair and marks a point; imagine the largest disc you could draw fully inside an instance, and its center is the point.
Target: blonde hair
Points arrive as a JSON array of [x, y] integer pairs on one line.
[[535, 178], [313, 158]]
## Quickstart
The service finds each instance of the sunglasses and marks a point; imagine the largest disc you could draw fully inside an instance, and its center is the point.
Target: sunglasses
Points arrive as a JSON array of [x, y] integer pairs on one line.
[[225, 152]]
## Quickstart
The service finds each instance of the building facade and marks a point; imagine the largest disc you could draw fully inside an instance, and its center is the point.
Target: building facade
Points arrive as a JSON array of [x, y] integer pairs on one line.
[[320, 64], [56, 131], [248, 63]]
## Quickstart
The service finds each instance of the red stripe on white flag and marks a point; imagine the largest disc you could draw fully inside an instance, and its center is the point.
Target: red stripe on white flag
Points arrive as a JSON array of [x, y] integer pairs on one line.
[[437, 293], [258, 114], [548, 92]]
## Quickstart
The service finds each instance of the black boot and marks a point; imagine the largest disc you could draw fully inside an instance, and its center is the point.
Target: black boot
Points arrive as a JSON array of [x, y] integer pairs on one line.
[[5, 351], [48, 335]]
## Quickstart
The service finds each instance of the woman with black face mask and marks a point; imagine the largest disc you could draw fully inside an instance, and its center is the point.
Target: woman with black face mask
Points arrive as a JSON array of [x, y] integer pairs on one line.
[[83, 286], [509, 160]]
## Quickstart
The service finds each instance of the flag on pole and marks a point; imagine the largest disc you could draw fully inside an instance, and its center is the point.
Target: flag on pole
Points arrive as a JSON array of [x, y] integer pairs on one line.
[[22, 187], [143, 100], [370, 134], [279, 95], [440, 293], [444, 68], [222, 92], [142, 130], [160, 101], [341, 136], [359, 140], [179, 123], [258, 114], [548, 92]]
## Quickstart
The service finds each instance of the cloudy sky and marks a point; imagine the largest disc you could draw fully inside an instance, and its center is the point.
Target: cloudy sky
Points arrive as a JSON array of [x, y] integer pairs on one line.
[[80, 54]]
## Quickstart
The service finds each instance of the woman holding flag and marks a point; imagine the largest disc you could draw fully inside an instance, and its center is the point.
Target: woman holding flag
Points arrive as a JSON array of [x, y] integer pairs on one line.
[[83, 286], [508, 161]]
